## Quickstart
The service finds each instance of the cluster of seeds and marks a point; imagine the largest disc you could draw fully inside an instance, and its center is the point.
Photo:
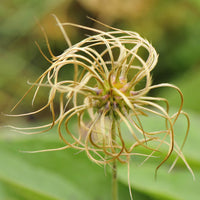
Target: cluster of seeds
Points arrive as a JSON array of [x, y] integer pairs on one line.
[[112, 78]]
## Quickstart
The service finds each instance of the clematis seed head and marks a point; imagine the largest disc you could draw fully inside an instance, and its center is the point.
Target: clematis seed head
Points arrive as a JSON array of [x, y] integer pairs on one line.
[[110, 87]]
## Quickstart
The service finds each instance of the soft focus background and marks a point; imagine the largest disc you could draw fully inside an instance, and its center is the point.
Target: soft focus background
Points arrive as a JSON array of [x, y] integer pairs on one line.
[[173, 27]]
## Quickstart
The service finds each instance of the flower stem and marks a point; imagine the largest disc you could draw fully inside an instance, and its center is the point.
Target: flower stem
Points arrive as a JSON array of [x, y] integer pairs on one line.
[[114, 181], [114, 167]]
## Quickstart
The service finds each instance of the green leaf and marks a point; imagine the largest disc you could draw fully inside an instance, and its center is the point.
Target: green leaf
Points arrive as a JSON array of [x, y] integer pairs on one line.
[[177, 185], [50, 175], [40, 182]]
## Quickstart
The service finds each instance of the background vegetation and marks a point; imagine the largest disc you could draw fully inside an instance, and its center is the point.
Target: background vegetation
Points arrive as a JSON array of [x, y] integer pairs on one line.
[[172, 27]]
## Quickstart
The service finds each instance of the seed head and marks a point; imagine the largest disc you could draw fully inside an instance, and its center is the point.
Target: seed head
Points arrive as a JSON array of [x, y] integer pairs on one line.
[[112, 78]]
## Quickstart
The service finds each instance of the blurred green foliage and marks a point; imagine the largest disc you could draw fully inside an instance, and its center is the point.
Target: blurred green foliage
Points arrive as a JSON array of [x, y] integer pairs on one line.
[[173, 28], [61, 175]]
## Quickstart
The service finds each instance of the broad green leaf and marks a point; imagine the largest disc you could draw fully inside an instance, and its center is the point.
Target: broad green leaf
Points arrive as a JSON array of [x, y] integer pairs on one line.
[[51, 175], [191, 148], [40, 182], [177, 185], [71, 170], [67, 168]]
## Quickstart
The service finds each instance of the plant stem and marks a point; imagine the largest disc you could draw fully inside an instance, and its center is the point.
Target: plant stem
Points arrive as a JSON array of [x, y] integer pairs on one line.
[[114, 169], [114, 181]]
